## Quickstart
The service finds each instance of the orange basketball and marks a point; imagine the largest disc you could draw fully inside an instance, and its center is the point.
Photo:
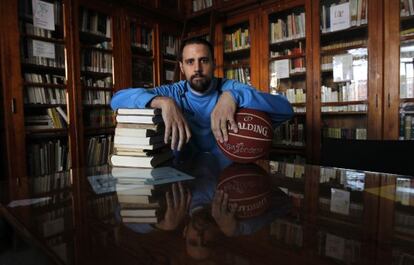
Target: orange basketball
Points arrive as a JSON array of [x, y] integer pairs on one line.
[[248, 187], [252, 141]]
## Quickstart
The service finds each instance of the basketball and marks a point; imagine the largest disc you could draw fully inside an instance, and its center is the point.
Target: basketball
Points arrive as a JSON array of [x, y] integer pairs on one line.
[[252, 141], [248, 187]]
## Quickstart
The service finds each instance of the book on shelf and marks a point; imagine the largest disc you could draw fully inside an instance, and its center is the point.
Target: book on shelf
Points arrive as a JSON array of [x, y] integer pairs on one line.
[[138, 132], [143, 220], [139, 212], [145, 199], [136, 127], [138, 148]]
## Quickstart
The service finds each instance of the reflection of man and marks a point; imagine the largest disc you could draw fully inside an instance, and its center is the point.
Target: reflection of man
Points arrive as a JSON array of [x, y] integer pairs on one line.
[[202, 106]]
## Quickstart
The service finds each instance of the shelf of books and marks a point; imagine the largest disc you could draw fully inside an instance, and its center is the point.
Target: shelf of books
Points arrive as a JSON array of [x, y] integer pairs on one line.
[[397, 219], [142, 49], [200, 6], [346, 216], [96, 68], [289, 231], [236, 48], [406, 109], [344, 69], [287, 75], [170, 45], [42, 47]]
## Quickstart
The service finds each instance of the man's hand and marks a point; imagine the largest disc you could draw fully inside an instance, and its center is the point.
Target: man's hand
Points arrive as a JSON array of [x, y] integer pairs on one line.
[[177, 207], [223, 214], [176, 126], [223, 112]]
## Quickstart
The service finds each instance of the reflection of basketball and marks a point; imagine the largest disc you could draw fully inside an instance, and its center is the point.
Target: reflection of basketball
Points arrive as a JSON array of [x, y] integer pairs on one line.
[[248, 186], [253, 139]]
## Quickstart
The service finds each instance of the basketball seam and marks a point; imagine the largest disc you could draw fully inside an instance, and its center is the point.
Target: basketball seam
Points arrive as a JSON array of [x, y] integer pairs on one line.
[[265, 121], [250, 198], [250, 137]]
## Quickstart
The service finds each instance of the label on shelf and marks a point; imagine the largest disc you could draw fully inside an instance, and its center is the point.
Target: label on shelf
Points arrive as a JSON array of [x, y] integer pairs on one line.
[[43, 15], [340, 18], [43, 49], [340, 200]]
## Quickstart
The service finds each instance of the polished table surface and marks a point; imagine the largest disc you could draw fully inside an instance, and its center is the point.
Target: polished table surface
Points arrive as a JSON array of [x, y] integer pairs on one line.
[[313, 215]]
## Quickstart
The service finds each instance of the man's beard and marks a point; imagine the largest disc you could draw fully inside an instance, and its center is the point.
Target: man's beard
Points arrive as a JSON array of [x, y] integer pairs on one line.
[[200, 85]]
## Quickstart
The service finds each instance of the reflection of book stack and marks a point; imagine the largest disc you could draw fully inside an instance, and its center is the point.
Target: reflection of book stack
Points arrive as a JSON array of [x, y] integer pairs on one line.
[[141, 191], [139, 139]]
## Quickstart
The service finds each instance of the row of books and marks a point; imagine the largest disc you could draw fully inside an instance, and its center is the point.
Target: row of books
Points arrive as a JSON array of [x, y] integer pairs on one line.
[[345, 133], [346, 108], [104, 82], [94, 22], [343, 45], [171, 45], [402, 194], [53, 118], [44, 78], [48, 158], [96, 61], [201, 4], [96, 97], [141, 37], [51, 182], [295, 95], [237, 40], [349, 91], [241, 74], [42, 95], [290, 170], [406, 87], [142, 71], [99, 150], [99, 118], [348, 179], [54, 222], [290, 134], [407, 8], [339, 248], [290, 28], [30, 30], [406, 126], [287, 232], [26, 10], [357, 11], [288, 51], [30, 53], [103, 207]]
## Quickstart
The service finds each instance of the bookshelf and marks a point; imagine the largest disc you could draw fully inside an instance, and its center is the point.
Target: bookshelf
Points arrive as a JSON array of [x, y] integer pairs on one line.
[[96, 35], [344, 70], [284, 48], [142, 52], [44, 87], [169, 48]]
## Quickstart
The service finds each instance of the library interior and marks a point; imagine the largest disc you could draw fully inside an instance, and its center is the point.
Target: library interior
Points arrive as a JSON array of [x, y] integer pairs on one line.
[[123, 132]]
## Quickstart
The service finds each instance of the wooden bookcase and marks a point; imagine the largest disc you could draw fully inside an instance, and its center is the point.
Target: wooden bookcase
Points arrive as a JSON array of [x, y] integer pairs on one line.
[[169, 46], [237, 57]]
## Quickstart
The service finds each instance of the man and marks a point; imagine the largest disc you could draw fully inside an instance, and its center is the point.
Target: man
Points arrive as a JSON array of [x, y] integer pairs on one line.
[[200, 107]]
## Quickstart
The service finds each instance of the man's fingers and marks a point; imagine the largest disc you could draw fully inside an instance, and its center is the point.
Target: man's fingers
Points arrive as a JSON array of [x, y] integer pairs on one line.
[[187, 132], [215, 127], [175, 195], [168, 199], [233, 125], [223, 129], [174, 137], [167, 133], [182, 137]]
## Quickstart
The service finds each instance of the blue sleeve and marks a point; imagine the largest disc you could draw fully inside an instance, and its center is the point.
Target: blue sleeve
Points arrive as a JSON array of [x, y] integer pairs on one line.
[[277, 106], [140, 97]]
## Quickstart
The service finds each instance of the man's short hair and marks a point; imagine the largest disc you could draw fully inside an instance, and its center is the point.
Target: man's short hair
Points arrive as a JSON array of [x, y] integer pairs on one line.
[[195, 40]]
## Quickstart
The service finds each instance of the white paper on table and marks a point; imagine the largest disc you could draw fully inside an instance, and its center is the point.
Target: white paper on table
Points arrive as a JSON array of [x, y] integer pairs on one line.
[[43, 49], [43, 15], [340, 200], [340, 18]]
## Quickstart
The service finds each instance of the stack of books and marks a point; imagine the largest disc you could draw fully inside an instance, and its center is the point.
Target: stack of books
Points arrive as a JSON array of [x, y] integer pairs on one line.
[[139, 150], [141, 192], [139, 139]]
